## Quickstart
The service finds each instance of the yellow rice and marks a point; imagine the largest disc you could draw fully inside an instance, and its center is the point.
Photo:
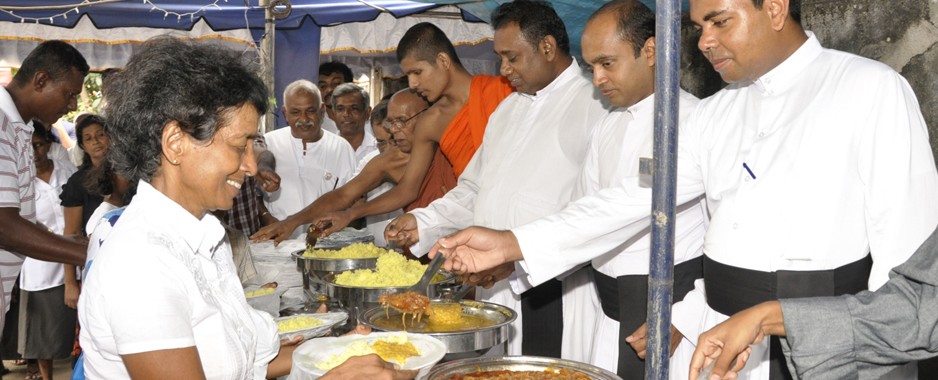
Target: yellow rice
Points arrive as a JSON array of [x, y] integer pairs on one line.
[[298, 323], [394, 347], [352, 251], [393, 270]]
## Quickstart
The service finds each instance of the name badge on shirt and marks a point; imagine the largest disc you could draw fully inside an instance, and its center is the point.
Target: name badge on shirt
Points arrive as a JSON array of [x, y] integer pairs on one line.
[[646, 170]]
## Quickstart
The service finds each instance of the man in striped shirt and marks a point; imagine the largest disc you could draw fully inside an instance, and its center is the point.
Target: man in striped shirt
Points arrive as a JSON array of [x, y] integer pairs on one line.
[[45, 88]]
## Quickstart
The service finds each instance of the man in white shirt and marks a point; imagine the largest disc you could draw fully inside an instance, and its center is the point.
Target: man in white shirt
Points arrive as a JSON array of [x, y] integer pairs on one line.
[[350, 107], [45, 88], [309, 160], [619, 46], [527, 165], [331, 75], [813, 161]]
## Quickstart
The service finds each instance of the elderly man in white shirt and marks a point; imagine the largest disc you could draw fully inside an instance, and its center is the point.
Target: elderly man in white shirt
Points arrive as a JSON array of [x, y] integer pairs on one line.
[[816, 164], [309, 160], [526, 168]]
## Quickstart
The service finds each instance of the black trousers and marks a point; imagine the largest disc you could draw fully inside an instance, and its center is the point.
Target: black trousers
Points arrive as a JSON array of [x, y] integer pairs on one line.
[[542, 320], [625, 299]]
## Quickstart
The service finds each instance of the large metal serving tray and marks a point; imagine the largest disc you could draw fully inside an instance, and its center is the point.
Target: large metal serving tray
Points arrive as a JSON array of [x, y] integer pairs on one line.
[[463, 343], [516, 363]]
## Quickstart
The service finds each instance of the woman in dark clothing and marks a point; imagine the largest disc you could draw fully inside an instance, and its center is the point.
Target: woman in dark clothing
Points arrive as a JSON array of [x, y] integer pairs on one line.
[[79, 203]]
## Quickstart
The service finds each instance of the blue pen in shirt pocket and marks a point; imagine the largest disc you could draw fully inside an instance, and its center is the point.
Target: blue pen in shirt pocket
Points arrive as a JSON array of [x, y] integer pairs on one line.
[[748, 170]]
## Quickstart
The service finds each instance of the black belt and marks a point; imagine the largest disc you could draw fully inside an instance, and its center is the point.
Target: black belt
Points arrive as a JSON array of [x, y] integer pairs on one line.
[[625, 299], [634, 288], [731, 289]]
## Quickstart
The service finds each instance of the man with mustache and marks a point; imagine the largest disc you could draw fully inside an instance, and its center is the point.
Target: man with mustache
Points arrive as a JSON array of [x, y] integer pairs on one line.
[[818, 174], [309, 160], [381, 172]]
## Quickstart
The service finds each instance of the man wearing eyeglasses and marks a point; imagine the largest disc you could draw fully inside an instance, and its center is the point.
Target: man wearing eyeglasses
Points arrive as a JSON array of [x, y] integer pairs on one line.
[[440, 177], [350, 110], [454, 124]]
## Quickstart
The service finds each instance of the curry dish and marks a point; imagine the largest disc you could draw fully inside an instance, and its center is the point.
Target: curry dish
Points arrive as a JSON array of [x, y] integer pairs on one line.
[[548, 374], [442, 317]]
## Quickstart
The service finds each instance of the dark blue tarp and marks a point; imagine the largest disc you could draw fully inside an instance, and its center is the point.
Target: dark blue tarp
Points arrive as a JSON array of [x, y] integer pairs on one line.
[[297, 36], [232, 14]]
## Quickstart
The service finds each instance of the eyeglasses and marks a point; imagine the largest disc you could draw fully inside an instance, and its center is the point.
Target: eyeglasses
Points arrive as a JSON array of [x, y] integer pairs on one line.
[[400, 123]]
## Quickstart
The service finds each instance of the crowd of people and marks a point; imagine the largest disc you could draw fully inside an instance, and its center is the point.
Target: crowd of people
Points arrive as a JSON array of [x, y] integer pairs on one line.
[[809, 175]]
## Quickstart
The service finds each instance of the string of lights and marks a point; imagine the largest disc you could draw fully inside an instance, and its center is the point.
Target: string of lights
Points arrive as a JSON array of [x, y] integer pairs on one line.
[[75, 8]]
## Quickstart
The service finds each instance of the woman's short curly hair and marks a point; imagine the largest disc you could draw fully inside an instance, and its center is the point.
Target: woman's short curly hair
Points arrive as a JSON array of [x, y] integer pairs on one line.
[[197, 85]]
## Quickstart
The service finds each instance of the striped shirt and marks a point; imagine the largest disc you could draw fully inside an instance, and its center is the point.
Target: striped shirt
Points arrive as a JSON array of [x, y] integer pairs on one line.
[[16, 183]]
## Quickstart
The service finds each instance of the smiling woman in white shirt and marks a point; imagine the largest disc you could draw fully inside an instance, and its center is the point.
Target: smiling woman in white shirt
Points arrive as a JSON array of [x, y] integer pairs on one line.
[[163, 300]]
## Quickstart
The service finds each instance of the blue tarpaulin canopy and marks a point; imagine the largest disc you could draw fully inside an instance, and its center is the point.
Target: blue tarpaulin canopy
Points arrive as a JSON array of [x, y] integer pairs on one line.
[[297, 37], [220, 14]]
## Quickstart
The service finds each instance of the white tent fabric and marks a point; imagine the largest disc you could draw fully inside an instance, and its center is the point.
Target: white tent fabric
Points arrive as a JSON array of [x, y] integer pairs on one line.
[[105, 48], [365, 46]]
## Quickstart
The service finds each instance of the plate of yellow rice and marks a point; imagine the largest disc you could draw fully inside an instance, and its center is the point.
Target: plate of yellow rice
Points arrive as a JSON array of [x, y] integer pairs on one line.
[[308, 325], [409, 351]]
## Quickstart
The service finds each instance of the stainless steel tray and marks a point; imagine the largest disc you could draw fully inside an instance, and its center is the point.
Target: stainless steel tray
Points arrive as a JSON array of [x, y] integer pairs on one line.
[[320, 266], [463, 343], [516, 363]]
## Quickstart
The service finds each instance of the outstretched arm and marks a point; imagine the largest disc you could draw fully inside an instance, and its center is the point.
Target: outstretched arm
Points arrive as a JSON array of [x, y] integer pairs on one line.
[[399, 196], [20, 236], [476, 249], [370, 177], [728, 343]]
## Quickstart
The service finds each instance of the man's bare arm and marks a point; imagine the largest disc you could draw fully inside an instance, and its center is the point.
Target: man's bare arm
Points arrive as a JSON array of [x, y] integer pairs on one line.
[[21, 236], [408, 188], [371, 176]]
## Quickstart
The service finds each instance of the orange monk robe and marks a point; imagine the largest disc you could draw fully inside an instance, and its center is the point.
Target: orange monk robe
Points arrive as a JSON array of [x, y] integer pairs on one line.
[[439, 179], [463, 135]]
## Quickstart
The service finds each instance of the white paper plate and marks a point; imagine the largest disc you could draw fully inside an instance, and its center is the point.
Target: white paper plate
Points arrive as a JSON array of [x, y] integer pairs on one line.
[[315, 351], [328, 320]]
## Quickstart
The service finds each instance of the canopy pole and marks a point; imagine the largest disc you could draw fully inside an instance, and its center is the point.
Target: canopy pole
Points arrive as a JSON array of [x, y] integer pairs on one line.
[[267, 63], [661, 268]]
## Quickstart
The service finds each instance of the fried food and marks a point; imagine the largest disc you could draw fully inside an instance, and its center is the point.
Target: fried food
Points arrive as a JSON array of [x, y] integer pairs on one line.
[[409, 302]]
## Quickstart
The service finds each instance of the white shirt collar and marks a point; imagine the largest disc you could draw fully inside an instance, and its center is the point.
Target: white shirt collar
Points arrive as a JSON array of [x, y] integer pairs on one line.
[[9, 108], [644, 105], [202, 235], [782, 76], [369, 143], [567, 75]]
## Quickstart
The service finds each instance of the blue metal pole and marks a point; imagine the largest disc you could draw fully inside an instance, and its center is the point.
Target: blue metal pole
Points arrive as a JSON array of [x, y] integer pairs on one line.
[[661, 271]]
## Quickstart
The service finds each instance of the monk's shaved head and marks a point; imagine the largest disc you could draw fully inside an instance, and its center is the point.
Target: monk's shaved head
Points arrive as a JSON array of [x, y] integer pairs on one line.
[[423, 42]]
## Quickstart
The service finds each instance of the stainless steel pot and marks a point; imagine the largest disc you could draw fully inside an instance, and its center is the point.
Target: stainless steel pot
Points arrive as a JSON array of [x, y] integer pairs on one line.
[[315, 268], [464, 343], [321, 266], [516, 363], [359, 299]]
